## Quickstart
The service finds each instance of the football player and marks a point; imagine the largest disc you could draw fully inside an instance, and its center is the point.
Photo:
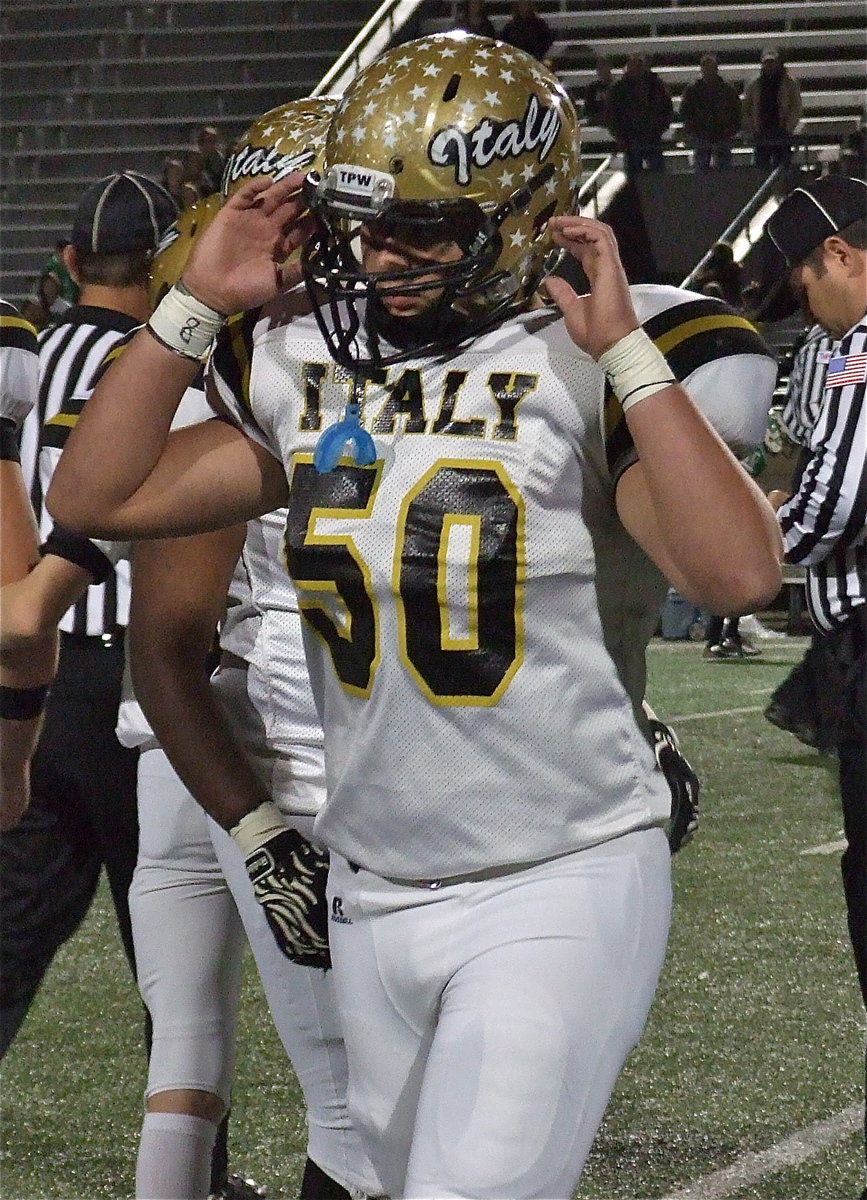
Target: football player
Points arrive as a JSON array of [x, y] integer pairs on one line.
[[190, 981], [499, 889], [185, 858]]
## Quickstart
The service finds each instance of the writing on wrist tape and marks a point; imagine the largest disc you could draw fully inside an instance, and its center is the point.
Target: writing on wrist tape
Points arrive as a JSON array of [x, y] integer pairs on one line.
[[185, 325], [635, 368], [258, 827], [22, 704]]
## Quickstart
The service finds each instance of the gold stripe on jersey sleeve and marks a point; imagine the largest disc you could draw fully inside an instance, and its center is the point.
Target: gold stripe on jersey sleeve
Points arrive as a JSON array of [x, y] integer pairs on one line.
[[689, 335], [17, 331], [688, 329]]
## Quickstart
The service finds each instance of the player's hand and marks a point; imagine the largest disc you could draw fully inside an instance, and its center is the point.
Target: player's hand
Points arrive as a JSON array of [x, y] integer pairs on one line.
[[606, 314], [683, 784], [289, 876], [239, 261]]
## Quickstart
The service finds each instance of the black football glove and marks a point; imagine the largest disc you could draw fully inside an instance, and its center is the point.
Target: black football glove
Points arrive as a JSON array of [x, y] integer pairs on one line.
[[682, 782], [289, 877]]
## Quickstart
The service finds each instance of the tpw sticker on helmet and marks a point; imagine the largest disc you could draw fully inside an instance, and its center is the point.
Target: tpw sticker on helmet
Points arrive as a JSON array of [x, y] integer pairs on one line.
[[253, 161], [537, 130], [360, 181]]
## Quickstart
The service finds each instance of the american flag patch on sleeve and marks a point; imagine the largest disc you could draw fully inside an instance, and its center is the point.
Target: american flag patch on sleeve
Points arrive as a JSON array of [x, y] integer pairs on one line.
[[846, 370]]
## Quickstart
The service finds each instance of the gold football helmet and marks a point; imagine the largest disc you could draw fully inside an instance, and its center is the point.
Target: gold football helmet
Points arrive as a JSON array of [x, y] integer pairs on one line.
[[285, 139], [451, 137], [288, 138], [176, 243]]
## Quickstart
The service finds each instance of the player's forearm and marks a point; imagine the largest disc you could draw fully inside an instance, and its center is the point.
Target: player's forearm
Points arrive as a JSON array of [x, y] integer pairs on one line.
[[31, 609], [19, 537], [715, 523], [178, 596], [119, 438], [31, 663]]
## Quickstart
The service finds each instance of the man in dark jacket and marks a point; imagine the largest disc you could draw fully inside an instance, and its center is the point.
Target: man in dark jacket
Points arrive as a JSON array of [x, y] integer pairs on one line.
[[639, 112], [528, 31], [711, 113], [772, 110]]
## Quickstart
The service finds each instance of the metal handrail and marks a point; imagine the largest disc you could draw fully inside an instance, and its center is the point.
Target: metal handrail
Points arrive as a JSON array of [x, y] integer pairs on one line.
[[589, 184], [741, 220], [367, 45]]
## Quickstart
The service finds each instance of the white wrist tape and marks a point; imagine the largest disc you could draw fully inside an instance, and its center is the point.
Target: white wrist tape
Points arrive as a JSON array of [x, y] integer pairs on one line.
[[184, 324], [258, 827], [635, 368]]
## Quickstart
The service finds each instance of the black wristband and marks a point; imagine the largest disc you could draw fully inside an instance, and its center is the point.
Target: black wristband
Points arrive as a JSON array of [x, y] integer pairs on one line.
[[9, 449], [22, 704], [79, 550]]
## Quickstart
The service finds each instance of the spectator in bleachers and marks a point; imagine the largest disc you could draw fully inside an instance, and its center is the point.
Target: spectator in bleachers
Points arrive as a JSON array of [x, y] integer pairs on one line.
[[173, 179], [210, 146], [594, 98], [55, 289], [528, 31], [853, 153], [721, 276], [711, 113], [639, 112], [474, 19], [771, 111]]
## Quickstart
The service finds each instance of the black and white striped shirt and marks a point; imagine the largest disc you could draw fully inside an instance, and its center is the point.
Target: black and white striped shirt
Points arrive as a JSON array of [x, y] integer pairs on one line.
[[825, 523], [69, 354], [806, 388]]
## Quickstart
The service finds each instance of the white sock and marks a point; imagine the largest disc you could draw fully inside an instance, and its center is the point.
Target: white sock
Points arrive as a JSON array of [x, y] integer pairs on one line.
[[174, 1157]]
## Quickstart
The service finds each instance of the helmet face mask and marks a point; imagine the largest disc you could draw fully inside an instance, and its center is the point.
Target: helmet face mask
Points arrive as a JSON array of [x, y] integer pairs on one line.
[[484, 160]]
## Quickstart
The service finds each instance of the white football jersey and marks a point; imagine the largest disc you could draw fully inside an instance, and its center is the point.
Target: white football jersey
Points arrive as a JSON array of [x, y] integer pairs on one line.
[[19, 365], [263, 627], [459, 624]]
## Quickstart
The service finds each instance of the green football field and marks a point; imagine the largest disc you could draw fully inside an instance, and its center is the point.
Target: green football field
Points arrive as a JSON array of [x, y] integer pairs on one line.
[[746, 1085]]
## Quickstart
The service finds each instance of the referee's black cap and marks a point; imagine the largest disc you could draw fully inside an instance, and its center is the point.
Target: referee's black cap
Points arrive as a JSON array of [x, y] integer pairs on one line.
[[121, 214], [807, 216]]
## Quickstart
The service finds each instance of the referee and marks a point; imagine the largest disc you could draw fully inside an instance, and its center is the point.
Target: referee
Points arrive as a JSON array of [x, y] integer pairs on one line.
[[82, 814], [820, 231]]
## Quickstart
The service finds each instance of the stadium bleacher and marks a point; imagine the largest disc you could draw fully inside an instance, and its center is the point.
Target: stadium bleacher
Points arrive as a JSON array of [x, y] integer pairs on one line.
[[93, 85]]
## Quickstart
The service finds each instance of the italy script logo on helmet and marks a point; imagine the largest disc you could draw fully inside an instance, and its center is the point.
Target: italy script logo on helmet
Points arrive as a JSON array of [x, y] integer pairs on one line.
[[168, 239], [492, 139], [252, 161]]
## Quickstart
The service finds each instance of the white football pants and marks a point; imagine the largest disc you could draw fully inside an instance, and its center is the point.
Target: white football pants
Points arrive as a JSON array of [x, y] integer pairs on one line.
[[487, 1021], [185, 902]]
